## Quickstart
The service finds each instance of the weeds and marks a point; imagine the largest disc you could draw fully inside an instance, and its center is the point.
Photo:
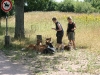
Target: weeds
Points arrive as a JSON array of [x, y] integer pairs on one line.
[[85, 60]]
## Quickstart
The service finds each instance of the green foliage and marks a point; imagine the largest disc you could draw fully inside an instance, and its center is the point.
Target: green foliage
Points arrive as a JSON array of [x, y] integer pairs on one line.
[[1, 12], [83, 7], [88, 6], [66, 6], [94, 3], [52, 6], [40, 5]]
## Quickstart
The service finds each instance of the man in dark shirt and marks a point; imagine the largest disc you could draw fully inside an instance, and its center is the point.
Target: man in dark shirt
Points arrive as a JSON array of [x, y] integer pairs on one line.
[[71, 32], [59, 33]]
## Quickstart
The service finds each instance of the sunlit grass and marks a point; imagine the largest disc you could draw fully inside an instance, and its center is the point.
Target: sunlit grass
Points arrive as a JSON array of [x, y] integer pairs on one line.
[[40, 23]]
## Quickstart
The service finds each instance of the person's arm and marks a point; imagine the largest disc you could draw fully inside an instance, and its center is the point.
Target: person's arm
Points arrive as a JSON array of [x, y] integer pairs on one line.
[[74, 27], [54, 28], [60, 28], [67, 31]]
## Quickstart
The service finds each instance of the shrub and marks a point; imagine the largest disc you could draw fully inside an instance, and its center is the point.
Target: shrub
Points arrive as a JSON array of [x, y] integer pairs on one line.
[[66, 6], [83, 7]]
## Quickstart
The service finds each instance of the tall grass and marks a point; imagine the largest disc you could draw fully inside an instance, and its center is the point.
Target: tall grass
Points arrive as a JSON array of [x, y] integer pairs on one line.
[[40, 23]]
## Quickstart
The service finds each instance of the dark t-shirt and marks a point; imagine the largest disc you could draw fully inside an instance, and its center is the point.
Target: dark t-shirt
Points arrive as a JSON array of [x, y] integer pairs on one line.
[[57, 28], [70, 27]]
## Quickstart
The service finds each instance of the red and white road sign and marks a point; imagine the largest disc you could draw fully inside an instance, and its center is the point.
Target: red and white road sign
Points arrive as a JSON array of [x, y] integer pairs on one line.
[[6, 5]]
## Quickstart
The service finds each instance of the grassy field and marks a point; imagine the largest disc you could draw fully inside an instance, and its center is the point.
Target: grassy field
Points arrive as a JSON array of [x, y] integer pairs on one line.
[[40, 23], [85, 60]]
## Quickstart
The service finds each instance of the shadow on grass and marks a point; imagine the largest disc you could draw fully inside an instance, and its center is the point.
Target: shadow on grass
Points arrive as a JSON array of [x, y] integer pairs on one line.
[[83, 47], [15, 49], [3, 30], [42, 63], [48, 63], [37, 63], [17, 44]]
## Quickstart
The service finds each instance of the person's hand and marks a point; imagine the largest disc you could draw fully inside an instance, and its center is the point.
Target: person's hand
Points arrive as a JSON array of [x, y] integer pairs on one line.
[[53, 28], [73, 29]]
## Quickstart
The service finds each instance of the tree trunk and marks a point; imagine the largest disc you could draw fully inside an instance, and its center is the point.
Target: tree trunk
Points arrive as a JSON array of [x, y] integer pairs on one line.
[[19, 19]]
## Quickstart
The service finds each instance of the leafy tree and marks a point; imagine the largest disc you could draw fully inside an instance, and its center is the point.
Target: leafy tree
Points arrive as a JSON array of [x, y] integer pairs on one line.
[[40, 5], [2, 13], [36, 5], [83, 7], [52, 6], [66, 6], [94, 3]]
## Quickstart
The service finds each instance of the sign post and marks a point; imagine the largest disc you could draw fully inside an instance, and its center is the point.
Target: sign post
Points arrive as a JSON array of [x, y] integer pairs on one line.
[[6, 24], [6, 6]]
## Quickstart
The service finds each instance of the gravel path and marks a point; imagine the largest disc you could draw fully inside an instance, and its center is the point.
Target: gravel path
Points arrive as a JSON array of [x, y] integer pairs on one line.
[[9, 68]]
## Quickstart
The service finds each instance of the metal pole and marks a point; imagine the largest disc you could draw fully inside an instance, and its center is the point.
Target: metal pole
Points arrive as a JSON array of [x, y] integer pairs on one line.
[[6, 24], [7, 37], [0, 18]]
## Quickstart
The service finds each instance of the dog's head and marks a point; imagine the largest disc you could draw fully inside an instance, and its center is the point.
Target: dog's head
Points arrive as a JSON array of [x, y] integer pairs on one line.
[[39, 42], [48, 41], [68, 47]]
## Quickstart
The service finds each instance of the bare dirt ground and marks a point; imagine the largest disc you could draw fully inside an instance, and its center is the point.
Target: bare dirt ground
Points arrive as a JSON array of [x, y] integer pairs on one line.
[[9, 68], [80, 62]]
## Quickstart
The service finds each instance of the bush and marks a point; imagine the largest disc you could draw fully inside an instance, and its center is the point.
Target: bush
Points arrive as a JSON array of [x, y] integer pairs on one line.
[[66, 6], [52, 6], [40, 5], [83, 7]]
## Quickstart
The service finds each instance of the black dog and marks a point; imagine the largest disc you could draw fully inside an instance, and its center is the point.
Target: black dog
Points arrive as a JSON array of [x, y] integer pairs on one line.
[[68, 47], [50, 49]]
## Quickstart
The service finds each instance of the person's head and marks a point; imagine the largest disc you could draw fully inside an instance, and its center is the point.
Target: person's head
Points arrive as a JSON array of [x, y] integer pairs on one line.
[[69, 19], [54, 19]]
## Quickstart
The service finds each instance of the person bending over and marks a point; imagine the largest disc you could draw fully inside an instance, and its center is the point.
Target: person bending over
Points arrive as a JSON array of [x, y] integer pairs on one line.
[[59, 34]]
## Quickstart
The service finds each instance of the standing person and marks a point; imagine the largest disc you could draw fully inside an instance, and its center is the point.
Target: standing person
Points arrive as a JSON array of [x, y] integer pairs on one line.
[[71, 32], [59, 33]]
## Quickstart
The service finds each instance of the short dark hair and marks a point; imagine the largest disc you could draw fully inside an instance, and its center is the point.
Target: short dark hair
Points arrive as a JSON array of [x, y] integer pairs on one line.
[[54, 19], [69, 18]]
